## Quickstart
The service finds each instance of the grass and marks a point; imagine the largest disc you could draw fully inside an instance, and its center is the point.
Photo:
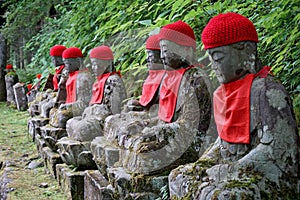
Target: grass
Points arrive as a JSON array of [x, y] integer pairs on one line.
[[17, 149]]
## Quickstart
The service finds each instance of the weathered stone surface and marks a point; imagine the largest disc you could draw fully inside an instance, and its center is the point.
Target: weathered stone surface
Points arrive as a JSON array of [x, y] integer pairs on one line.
[[11, 79], [76, 153], [147, 145], [96, 186], [51, 159], [132, 186], [51, 135], [81, 130], [268, 167], [20, 96], [104, 154], [71, 182], [34, 126], [40, 144]]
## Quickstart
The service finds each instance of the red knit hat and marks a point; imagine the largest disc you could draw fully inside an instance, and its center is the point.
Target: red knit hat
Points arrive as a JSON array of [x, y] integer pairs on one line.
[[57, 50], [180, 33], [152, 43], [29, 86], [72, 52], [102, 53], [228, 28], [9, 66]]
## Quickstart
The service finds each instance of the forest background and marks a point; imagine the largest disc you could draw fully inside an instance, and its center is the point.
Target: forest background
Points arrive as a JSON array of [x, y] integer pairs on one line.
[[32, 27]]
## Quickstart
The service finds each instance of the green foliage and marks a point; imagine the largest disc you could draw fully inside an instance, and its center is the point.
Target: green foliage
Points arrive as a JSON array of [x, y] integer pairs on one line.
[[125, 25]]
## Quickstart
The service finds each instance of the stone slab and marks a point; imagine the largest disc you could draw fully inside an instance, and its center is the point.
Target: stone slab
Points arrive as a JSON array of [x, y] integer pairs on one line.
[[40, 144], [51, 135], [34, 124], [20, 96], [96, 186], [71, 182], [51, 159]]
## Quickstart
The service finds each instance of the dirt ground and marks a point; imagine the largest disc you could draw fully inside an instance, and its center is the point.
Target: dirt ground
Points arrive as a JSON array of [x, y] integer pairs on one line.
[[17, 151]]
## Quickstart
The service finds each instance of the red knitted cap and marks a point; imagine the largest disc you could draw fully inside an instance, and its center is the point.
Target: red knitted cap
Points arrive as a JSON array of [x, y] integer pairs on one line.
[[152, 43], [102, 53], [9, 66], [180, 33], [72, 52], [228, 28], [57, 50], [29, 86]]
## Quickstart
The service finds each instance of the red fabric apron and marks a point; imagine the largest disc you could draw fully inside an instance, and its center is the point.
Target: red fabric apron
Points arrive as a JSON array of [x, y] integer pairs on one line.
[[168, 93], [55, 79], [98, 88], [151, 85], [232, 108], [71, 87]]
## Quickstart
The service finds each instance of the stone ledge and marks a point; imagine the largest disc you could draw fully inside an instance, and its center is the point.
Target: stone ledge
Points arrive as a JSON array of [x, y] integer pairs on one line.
[[71, 182], [96, 186], [51, 159]]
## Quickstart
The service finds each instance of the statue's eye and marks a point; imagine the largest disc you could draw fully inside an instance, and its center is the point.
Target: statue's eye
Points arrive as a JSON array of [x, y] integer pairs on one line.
[[217, 56]]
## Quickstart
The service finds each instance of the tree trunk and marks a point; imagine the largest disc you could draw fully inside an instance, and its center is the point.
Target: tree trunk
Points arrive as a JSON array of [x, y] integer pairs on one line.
[[2, 67]]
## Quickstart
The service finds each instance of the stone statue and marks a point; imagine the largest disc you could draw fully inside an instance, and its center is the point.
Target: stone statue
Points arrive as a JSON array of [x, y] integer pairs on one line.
[[34, 89], [58, 81], [256, 155], [135, 111], [79, 92], [11, 78], [156, 72], [45, 100], [157, 144], [108, 95]]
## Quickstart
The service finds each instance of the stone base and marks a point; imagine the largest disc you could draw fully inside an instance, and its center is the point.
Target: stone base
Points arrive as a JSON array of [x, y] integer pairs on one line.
[[34, 124], [95, 186], [104, 154], [76, 153], [51, 135], [51, 159], [40, 144], [131, 185], [71, 182], [20, 96]]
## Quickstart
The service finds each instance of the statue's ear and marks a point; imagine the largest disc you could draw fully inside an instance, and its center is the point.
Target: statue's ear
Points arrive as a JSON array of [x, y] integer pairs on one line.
[[250, 50]]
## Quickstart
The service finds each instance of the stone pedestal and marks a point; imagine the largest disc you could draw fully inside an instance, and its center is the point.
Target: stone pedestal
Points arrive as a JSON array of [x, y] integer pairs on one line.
[[34, 125], [71, 182], [96, 186], [133, 186], [10, 80], [20, 96], [104, 153], [51, 159], [76, 153], [40, 144], [51, 135]]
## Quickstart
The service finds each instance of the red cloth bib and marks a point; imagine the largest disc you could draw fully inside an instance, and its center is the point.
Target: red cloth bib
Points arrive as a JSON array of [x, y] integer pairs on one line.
[[98, 88], [168, 93], [232, 108], [151, 85], [71, 87], [55, 79]]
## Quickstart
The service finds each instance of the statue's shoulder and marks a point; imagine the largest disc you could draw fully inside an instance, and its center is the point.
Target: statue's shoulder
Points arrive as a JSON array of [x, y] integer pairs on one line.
[[114, 80], [267, 84]]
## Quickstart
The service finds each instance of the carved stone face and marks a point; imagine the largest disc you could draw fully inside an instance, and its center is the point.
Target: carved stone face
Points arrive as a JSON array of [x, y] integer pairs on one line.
[[153, 60], [171, 54], [100, 66], [57, 60], [229, 63], [72, 64]]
